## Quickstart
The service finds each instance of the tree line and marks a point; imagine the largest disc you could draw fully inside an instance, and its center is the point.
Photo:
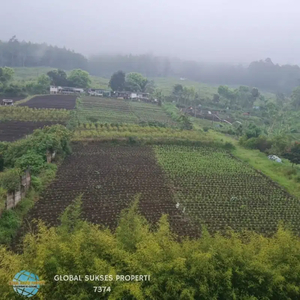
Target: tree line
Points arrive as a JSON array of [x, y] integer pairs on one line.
[[14, 53], [263, 74], [77, 78]]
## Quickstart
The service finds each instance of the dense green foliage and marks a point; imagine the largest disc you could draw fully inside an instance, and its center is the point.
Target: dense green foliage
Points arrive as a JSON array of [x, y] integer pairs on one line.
[[26, 54], [245, 266], [58, 77], [29, 153], [10, 179], [135, 82], [54, 139], [11, 220], [117, 81], [79, 78], [293, 153]]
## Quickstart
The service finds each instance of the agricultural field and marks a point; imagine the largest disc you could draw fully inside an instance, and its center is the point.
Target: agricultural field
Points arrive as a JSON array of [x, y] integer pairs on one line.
[[86, 131], [52, 101], [105, 110], [194, 185], [217, 190], [109, 177], [150, 112], [24, 113], [108, 110], [14, 130]]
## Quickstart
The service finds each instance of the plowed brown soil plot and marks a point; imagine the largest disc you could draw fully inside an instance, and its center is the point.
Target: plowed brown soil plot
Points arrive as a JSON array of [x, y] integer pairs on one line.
[[110, 177], [52, 101], [13, 130]]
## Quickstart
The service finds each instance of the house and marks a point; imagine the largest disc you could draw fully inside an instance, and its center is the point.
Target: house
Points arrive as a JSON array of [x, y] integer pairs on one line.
[[122, 95], [7, 102], [77, 90], [65, 90], [53, 89]]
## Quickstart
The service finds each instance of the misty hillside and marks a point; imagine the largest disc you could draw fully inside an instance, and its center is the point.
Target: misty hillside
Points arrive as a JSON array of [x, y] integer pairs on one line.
[[263, 74]]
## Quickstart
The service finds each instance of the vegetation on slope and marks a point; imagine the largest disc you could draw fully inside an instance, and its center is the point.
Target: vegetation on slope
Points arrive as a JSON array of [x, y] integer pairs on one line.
[[246, 266]]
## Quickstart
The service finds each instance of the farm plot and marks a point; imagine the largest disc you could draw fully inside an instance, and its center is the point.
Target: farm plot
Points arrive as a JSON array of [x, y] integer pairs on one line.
[[13, 130], [109, 177], [146, 112], [104, 110], [219, 191], [17, 113], [52, 101]]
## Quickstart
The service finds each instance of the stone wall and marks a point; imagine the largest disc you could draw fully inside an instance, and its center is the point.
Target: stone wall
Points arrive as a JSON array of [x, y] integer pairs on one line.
[[14, 198]]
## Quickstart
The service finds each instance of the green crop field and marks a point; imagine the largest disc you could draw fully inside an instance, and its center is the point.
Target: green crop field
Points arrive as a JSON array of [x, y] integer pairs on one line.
[[105, 110], [218, 190], [109, 110]]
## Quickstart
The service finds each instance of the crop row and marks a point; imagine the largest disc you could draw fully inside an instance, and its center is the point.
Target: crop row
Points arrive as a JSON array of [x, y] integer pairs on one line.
[[120, 111], [18, 113], [91, 131], [109, 178], [218, 191]]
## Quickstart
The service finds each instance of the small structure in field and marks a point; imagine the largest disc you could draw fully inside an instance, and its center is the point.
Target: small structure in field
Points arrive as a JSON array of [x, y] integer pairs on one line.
[[65, 90], [7, 102], [99, 92], [54, 89]]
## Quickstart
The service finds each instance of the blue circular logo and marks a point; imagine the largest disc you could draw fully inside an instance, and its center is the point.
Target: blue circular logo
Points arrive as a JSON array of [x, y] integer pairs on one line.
[[26, 283]]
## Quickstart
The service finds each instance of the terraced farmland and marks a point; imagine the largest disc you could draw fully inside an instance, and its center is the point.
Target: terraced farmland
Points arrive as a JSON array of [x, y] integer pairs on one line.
[[150, 112], [193, 185], [109, 177], [219, 191], [13, 130], [52, 101], [107, 110]]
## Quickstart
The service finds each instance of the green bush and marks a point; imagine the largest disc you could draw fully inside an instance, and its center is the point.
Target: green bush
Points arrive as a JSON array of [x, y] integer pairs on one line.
[[241, 266], [262, 143], [35, 162], [10, 179], [229, 146], [54, 138], [36, 183]]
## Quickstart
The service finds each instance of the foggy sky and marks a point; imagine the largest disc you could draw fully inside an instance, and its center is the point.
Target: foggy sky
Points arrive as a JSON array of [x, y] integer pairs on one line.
[[236, 31]]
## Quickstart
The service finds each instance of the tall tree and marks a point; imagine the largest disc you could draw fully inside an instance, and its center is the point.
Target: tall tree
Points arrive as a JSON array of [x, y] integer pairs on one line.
[[136, 82], [79, 78], [6, 75], [177, 92], [296, 97], [58, 77], [293, 154], [117, 81]]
